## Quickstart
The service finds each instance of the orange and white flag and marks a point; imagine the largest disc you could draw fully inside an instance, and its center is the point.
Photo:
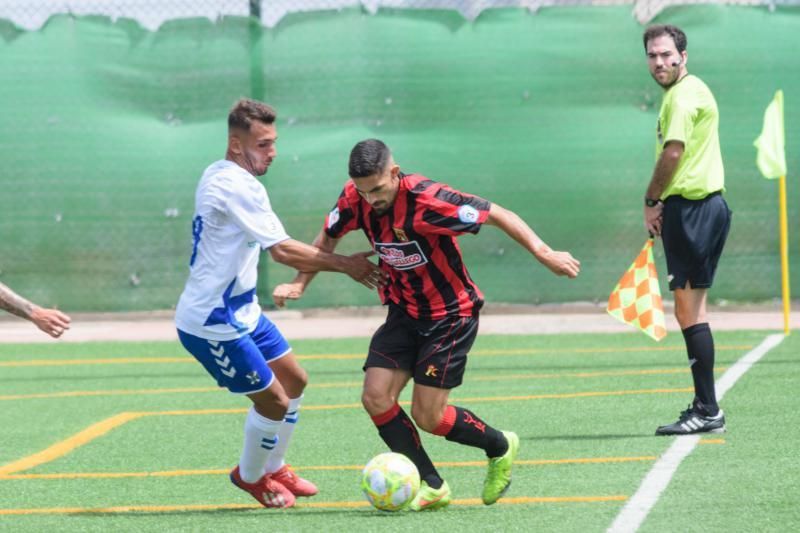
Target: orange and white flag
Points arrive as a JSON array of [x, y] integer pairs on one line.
[[636, 300]]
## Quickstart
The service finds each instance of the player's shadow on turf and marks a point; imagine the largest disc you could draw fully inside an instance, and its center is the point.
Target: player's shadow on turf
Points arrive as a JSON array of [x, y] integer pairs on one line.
[[619, 436], [362, 512], [776, 362]]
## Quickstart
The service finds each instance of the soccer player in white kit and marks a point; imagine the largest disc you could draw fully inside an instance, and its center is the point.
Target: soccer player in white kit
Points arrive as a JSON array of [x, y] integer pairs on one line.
[[218, 317]]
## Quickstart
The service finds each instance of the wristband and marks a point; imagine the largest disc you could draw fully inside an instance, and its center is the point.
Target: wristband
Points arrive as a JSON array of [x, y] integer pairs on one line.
[[649, 202]]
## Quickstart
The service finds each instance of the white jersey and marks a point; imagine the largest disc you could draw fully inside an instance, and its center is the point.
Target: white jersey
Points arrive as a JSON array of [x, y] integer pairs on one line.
[[233, 221]]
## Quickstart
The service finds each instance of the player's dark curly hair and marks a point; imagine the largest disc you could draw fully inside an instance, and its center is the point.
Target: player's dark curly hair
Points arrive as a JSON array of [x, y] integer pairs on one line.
[[245, 111], [678, 37], [368, 157]]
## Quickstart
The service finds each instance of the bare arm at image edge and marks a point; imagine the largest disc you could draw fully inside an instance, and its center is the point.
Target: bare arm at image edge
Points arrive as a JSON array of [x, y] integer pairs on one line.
[[51, 321]]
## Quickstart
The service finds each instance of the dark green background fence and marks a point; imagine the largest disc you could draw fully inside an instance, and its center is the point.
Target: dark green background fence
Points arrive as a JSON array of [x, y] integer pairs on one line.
[[107, 127]]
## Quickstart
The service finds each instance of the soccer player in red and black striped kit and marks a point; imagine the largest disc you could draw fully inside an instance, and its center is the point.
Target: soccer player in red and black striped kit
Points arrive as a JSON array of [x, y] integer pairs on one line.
[[412, 223]]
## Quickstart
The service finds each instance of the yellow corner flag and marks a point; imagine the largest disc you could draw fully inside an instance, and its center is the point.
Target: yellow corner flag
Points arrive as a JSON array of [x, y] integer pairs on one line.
[[771, 161], [771, 158], [636, 300]]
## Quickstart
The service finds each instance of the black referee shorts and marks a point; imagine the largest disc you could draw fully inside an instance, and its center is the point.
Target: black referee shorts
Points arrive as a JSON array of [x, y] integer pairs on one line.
[[433, 351], [694, 233]]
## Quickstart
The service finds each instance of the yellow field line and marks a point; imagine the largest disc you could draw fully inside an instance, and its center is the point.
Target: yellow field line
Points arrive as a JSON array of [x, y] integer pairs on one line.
[[566, 395], [601, 374], [103, 361], [67, 445], [545, 499], [518, 462], [712, 441], [538, 351], [552, 396], [327, 468], [117, 392], [115, 475], [343, 384], [101, 428], [360, 356], [193, 412], [520, 500]]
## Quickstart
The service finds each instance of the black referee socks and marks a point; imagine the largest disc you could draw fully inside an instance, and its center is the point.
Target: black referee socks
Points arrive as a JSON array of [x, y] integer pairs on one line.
[[700, 349]]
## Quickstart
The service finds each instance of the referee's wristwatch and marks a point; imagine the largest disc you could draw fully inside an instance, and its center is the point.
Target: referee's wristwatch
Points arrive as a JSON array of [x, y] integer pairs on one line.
[[649, 202]]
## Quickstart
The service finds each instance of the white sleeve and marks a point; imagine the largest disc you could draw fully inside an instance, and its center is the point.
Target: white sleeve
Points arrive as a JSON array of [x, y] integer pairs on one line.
[[249, 208]]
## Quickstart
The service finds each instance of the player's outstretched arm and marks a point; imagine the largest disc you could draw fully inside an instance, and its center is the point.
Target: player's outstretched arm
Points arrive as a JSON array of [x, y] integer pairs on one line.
[[560, 263], [294, 289], [51, 321], [308, 259]]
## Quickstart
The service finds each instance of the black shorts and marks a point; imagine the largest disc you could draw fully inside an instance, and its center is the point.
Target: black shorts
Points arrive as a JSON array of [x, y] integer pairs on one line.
[[433, 351], [694, 233]]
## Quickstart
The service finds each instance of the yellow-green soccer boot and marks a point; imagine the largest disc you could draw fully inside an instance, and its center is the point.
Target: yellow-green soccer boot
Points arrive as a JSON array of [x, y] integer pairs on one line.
[[429, 499], [498, 478]]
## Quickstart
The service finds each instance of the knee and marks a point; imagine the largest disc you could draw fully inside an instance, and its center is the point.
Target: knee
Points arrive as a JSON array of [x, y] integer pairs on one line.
[[425, 418], [292, 377], [684, 317], [282, 403], [376, 402], [299, 382], [273, 406]]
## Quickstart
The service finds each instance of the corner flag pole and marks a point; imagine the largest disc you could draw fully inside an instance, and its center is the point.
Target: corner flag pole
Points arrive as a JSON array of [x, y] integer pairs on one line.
[[771, 161], [784, 244]]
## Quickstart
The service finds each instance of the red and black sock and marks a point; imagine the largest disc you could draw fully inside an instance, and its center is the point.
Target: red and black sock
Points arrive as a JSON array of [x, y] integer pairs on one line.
[[462, 426], [401, 436], [700, 348]]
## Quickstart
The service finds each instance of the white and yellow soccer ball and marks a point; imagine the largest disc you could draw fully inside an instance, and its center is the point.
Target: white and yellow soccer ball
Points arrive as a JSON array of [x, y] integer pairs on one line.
[[390, 481]]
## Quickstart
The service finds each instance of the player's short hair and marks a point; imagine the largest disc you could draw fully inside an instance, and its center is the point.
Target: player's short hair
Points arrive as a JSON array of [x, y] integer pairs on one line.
[[245, 111], [368, 157], [678, 37]]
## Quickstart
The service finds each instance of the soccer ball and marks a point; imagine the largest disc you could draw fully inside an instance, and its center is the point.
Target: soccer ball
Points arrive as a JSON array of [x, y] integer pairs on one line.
[[390, 481]]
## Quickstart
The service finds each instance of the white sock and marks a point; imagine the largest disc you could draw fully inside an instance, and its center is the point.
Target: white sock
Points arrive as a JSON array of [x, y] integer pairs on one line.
[[260, 439], [275, 460]]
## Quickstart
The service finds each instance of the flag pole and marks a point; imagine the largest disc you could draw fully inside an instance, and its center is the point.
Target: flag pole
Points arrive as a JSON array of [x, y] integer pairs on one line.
[[771, 161], [784, 245]]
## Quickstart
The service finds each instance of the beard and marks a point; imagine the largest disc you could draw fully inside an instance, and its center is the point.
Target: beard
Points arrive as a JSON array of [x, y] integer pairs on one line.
[[671, 79], [254, 169], [381, 211], [261, 171]]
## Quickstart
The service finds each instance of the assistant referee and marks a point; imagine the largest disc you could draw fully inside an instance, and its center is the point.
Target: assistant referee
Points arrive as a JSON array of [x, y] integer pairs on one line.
[[685, 206]]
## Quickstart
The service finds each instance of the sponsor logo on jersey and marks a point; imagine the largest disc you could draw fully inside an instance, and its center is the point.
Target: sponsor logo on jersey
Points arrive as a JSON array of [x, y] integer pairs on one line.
[[400, 234], [401, 256], [467, 214], [333, 217]]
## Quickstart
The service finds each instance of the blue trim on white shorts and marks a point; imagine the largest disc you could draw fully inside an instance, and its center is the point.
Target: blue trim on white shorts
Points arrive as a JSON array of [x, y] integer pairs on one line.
[[240, 365]]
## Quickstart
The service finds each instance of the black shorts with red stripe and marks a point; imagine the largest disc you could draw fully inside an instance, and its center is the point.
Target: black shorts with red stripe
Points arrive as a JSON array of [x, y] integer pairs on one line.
[[433, 351]]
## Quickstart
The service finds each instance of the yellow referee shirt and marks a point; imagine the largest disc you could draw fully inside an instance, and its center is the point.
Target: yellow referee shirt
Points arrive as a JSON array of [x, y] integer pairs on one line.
[[689, 114]]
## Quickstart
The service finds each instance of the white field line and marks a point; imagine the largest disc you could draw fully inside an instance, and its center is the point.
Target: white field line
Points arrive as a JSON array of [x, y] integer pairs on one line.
[[633, 514]]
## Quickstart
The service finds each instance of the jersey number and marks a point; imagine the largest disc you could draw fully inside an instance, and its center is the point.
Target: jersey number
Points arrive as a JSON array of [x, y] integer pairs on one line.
[[197, 229]]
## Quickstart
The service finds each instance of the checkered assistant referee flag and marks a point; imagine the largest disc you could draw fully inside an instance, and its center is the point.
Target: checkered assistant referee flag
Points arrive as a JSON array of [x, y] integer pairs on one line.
[[636, 300]]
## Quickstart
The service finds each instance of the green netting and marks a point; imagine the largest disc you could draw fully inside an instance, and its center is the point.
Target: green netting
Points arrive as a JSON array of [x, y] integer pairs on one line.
[[107, 128]]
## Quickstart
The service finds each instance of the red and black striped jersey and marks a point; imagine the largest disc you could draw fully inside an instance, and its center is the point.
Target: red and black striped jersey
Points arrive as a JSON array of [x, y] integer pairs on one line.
[[416, 243]]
